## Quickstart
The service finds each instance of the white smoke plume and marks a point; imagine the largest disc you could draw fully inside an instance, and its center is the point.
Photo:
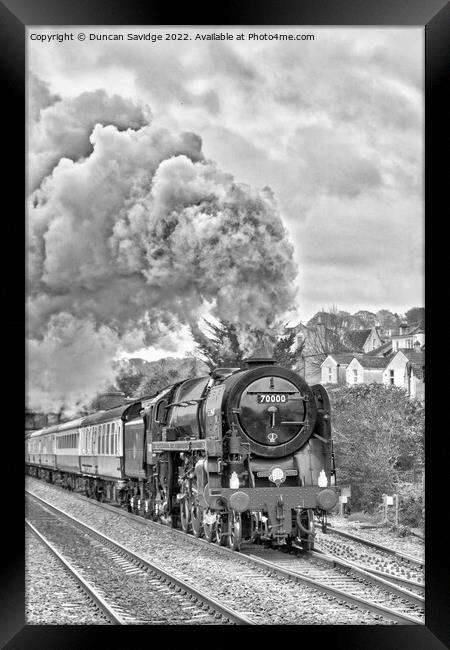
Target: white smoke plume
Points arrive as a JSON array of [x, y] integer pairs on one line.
[[70, 364], [133, 230], [60, 128]]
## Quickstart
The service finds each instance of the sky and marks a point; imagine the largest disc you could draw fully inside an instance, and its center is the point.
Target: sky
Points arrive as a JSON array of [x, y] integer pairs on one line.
[[325, 134]]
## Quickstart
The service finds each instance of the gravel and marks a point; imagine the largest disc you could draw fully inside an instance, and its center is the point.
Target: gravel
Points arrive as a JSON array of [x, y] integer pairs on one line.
[[131, 591], [409, 545], [52, 597], [266, 599]]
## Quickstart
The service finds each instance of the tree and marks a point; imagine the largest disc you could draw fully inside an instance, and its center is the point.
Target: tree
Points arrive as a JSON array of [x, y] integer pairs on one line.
[[378, 435], [327, 330], [128, 380], [387, 320], [169, 371], [287, 352], [416, 316], [220, 347], [364, 319]]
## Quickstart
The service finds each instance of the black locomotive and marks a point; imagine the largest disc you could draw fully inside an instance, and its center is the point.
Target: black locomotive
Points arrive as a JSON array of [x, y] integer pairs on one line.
[[239, 454]]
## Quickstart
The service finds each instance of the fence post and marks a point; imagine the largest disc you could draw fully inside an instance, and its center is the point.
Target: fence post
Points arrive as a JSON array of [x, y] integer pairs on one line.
[[396, 509]]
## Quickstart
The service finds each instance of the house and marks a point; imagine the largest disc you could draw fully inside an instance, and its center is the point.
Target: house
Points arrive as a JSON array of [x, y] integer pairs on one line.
[[407, 337], [363, 341], [384, 350], [366, 369], [406, 369], [333, 369]]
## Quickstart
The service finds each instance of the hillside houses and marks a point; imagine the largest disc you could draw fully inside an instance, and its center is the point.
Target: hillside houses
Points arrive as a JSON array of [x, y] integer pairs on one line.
[[356, 356], [399, 362]]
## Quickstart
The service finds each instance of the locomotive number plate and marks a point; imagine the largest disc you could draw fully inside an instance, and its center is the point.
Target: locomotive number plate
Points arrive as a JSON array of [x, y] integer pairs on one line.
[[272, 398]]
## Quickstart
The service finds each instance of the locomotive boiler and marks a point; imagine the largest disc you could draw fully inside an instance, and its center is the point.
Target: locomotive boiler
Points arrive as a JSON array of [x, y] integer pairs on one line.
[[242, 453]]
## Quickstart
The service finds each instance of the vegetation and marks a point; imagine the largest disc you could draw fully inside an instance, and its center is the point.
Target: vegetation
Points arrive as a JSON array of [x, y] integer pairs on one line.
[[378, 436], [220, 347], [137, 377]]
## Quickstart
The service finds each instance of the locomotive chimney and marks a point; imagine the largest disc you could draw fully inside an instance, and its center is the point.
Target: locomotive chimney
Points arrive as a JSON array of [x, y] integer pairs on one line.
[[259, 358]]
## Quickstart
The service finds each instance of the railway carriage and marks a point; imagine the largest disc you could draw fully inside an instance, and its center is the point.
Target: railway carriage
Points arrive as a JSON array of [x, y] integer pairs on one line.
[[101, 451], [40, 451], [67, 449]]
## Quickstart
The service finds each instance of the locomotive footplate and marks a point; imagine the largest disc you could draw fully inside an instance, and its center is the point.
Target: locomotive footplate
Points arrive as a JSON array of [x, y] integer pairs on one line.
[[271, 500], [293, 497]]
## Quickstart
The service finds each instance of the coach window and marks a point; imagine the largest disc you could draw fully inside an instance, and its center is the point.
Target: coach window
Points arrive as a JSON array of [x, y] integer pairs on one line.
[[113, 434], [108, 433]]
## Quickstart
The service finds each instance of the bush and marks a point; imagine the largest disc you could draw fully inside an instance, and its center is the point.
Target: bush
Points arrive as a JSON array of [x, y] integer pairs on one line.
[[411, 505], [378, 434]]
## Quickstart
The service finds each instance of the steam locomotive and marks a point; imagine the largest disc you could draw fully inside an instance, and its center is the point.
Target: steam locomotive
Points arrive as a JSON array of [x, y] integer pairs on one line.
[[244, 453]]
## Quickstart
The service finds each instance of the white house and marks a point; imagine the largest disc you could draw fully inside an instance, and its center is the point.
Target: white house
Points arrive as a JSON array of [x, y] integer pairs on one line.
[[334, 367], [406, 339], [366, 370], [406, 369]]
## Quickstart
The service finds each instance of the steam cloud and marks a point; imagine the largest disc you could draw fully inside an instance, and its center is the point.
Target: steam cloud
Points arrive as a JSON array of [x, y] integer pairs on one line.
[[131, 232]]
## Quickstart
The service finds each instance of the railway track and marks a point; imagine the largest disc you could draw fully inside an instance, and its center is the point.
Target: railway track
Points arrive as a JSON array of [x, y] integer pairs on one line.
[[89, 593], [343, 580], [329, 575], [401, 569], [161, 594]]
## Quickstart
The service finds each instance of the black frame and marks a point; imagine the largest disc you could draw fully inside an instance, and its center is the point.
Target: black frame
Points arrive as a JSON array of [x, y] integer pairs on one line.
[[435, 16]]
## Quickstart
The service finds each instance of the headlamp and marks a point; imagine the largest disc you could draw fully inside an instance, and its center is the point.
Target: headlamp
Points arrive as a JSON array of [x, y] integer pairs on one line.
[[277, 475]]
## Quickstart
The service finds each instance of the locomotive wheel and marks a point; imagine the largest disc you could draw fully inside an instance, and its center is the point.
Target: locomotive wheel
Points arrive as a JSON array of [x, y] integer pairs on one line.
[[235, 530], [196, 519], [184, 514]]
